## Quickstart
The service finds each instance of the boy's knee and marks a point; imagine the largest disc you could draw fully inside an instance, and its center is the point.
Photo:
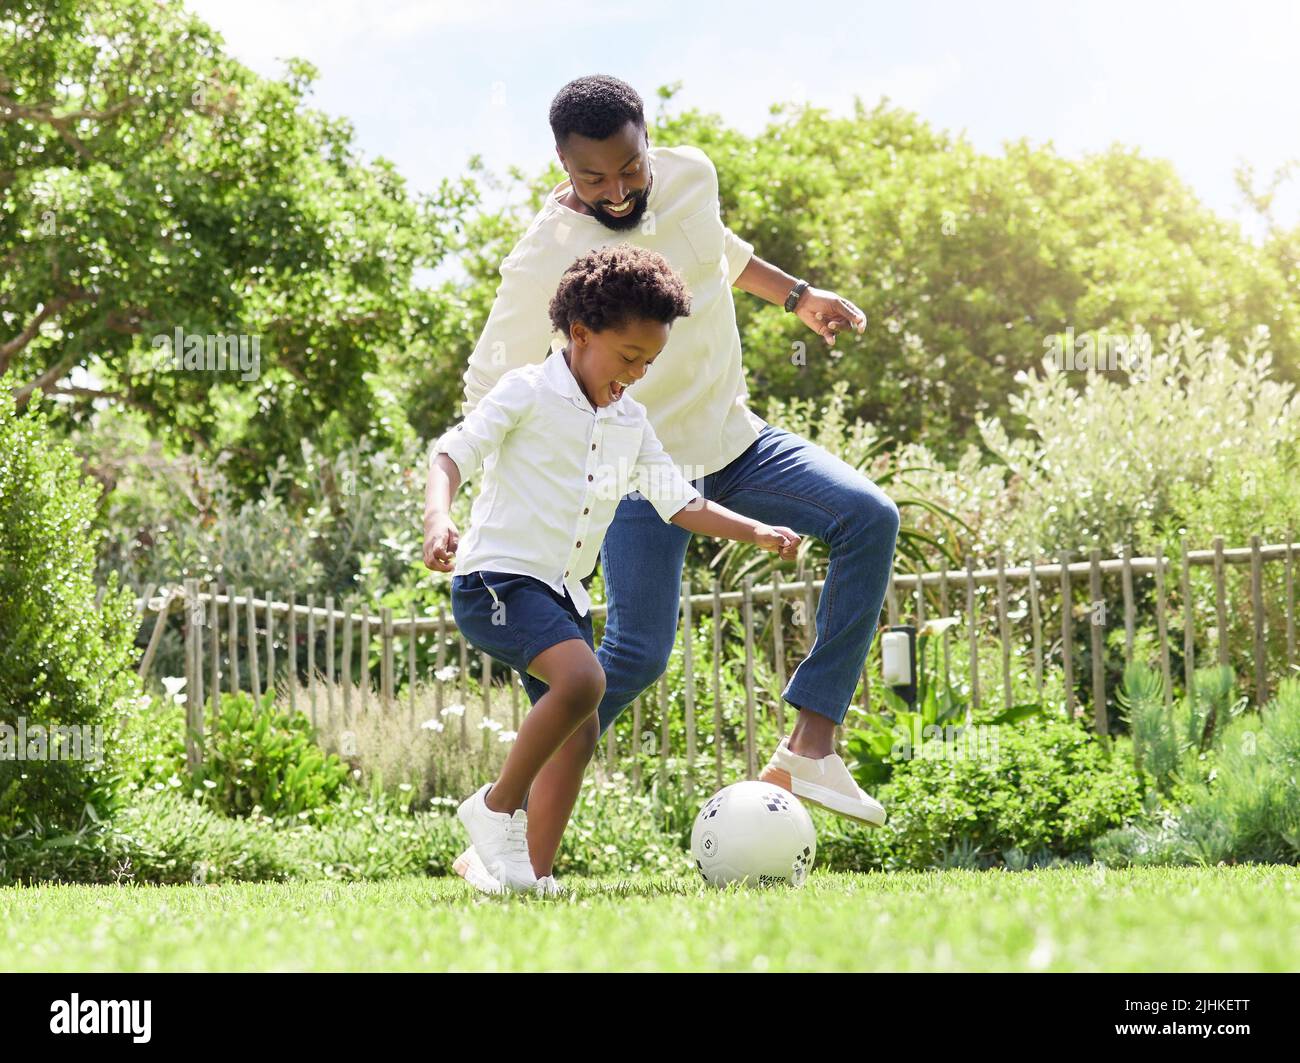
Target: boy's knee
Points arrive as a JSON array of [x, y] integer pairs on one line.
[[583, 686]]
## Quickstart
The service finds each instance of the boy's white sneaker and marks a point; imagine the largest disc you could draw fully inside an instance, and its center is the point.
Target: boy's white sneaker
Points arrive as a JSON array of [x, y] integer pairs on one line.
[[548, 887], [824, 781], [501, 840], [469, 867]]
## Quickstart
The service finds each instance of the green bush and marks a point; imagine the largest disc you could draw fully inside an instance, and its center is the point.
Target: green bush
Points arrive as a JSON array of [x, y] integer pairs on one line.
[[1174, 745], [65, 663], [1043, 786], [1245, 808], [255, 759], [165, 838]]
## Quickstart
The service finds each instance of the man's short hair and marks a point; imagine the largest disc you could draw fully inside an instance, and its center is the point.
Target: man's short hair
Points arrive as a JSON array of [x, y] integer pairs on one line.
[[596, 107]]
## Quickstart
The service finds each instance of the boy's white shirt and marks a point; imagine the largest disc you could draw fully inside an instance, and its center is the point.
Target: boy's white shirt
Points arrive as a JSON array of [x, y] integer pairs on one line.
[[695, 394], [553, 470]]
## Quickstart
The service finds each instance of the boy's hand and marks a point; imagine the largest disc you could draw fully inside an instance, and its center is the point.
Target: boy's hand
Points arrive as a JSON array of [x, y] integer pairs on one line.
[[778, 540], [441, 538]]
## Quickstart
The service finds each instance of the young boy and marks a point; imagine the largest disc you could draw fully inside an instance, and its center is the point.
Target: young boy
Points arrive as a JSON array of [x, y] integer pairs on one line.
[[558, 445]]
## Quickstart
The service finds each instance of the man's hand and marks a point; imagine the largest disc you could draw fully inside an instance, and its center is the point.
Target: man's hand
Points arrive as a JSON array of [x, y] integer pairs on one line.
[[778, 540], [826, 314], [440, 541]]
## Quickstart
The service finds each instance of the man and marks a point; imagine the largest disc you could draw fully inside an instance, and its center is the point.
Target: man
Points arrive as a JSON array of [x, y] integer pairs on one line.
[[620, 189]]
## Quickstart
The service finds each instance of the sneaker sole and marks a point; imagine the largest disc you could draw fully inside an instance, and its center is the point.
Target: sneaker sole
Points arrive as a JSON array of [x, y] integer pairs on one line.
[[476, 877], [823, 797]]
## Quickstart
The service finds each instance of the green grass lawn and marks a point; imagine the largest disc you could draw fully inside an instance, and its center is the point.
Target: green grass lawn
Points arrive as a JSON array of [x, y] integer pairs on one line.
[[1066, 919]]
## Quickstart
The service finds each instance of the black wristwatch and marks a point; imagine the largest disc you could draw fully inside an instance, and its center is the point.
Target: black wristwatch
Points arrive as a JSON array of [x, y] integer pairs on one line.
[[792, 300]]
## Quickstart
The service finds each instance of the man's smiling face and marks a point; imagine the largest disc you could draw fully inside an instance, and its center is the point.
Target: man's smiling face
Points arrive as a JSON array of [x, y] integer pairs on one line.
[[609, 174]]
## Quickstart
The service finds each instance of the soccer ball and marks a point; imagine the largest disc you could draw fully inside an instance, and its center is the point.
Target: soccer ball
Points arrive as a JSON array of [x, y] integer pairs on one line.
[[754, 833]]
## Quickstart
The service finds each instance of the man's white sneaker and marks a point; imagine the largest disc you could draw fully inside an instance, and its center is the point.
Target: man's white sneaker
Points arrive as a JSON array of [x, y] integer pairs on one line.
[[501, 840], [469, 867], [824, 781]]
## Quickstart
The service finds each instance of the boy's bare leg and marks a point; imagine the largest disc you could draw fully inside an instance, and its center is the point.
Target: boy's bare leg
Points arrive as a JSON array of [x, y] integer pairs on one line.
[[555, 792], [577, 683]]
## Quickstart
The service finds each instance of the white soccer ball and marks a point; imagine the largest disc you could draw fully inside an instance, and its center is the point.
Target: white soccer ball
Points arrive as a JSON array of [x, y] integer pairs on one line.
[[754, 833]]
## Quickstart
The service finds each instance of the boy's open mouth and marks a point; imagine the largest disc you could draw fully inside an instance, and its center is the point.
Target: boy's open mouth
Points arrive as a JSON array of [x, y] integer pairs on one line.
[[616, 390]]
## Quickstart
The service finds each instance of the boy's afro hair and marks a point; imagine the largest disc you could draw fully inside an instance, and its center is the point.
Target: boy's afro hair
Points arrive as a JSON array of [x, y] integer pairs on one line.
[[611, 286], [597, 107]]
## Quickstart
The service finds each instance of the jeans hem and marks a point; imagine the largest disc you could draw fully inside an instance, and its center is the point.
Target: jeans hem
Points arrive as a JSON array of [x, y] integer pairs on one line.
[[799, 700]]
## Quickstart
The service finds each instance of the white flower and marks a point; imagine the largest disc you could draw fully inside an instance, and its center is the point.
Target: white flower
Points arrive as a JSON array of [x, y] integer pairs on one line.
[[488, 725], [507, 736], [173, 684], [431, 725], [444, 674], [454, 710]]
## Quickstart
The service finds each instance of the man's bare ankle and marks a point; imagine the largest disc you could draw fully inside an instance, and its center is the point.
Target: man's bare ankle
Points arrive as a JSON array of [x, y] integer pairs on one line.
[[808, 748]]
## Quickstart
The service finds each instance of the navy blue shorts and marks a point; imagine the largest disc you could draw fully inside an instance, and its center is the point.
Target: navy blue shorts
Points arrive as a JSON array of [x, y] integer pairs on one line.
[[514, 617]]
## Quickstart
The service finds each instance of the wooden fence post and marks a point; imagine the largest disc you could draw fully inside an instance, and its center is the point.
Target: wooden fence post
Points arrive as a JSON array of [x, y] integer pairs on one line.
[[717, 681], [1220, 602], [1036, 623], [232, 638], [1290, 603], [688, 682], [293, 652], [329, 658], [1067, 633], [1162, 626], [160, 625], [1130, 619], [747, 585], [345, 665], [191, 631], [364, 661], [270, 646], [972, 622], [410, 673], [1004, 630], [1096, 621], [778, 641], [254, 676], [311, 656], [1257, 612], [1189, 621], [214, 646]]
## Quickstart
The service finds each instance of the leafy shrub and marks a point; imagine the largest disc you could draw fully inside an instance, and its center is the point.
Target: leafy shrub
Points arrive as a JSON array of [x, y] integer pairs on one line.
[[1246, 808], [165, 838], [1048, 785], [887, 737], [1170, 744], [255, 758], [65, 662], [1190, 411]]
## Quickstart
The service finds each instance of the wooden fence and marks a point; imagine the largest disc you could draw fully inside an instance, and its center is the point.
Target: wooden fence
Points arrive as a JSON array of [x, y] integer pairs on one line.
[[212, 615]]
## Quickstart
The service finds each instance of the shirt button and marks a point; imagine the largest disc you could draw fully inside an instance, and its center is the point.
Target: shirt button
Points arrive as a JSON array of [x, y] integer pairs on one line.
[[579, 542], [566, 571], [593, 446], [586, 511], [590, 477]]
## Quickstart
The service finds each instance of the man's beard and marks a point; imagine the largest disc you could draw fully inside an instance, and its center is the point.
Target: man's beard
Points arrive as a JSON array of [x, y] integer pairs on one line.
[[630, 220]]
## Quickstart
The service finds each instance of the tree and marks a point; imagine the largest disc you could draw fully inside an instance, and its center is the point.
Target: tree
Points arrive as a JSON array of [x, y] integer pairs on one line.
[[153, 190]]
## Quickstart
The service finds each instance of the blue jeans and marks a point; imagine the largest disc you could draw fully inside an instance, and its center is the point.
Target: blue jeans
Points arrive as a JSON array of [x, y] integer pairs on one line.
[[780, 479]]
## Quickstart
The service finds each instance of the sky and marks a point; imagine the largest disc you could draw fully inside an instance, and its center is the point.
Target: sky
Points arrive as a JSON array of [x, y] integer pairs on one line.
[[428, 84]]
